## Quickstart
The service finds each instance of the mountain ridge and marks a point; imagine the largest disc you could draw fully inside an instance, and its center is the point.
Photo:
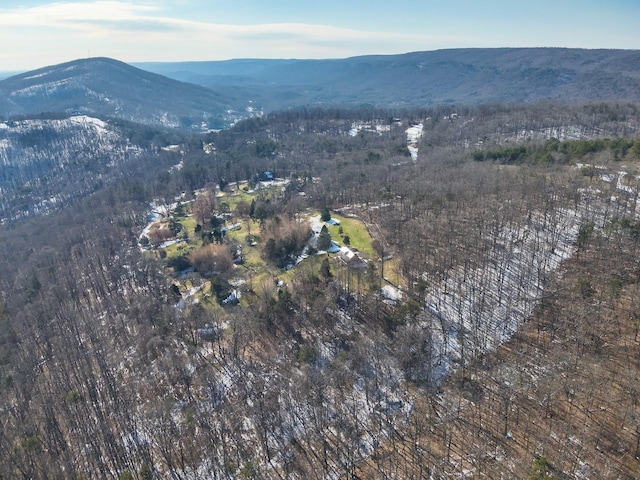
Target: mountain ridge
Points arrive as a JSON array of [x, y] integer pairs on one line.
[[454, 76], [214, 95], [49, 162], [102, 86]]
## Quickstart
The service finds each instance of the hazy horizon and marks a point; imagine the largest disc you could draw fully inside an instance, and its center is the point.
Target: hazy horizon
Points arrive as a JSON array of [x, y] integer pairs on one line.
[[45, 32]]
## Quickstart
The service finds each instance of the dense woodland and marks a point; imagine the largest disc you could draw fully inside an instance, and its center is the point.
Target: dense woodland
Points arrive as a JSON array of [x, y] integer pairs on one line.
[[513, 352]]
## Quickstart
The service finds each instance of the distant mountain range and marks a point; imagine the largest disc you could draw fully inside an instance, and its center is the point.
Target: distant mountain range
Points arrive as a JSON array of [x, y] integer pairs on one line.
[[461, 76], [70, 120], [204, 95]]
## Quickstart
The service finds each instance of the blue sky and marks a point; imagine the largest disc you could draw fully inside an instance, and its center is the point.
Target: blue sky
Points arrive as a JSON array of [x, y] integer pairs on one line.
[[37, 33]]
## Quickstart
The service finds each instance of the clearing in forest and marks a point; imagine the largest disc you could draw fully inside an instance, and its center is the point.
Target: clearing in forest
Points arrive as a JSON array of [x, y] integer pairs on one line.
[[219, 247]]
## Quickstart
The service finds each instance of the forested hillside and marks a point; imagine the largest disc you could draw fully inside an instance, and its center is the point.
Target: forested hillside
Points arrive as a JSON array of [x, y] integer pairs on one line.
[[49, 161], [469, 76], [103, 87], [485, 329]]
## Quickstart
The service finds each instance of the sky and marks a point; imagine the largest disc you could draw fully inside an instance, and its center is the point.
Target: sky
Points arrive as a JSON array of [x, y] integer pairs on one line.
[[38, 33]]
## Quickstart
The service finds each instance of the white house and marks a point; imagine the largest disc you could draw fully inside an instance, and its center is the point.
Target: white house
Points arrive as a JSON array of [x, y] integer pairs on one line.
[[351, 258]]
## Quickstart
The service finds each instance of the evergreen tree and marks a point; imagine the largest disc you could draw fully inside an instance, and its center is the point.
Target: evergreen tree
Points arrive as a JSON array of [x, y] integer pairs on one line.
[[324, 239], [325, 269], [325, 215]]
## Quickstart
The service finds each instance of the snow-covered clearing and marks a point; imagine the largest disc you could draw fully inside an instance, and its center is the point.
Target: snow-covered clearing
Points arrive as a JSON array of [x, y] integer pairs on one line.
[[373, 127], [414, 134]]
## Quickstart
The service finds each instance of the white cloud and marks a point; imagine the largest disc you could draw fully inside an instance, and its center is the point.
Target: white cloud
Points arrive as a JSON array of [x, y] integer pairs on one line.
[[70, 14], [73, 17], [133, 31]]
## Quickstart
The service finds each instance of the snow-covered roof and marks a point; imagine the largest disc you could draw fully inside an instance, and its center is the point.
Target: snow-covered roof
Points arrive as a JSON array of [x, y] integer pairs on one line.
[[347, 253]]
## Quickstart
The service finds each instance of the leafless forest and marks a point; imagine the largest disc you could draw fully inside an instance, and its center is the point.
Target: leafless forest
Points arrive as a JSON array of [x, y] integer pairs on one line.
[[512, 352]]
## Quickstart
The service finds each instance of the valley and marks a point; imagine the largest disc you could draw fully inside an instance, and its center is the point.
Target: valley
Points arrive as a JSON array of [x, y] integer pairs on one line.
[[431, 291]]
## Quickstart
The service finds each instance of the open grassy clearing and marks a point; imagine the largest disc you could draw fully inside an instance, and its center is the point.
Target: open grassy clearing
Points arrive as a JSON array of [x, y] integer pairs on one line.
[[178, 249], [233, 199], [392, 272], [188, 225], [260, 274], [357, 232]]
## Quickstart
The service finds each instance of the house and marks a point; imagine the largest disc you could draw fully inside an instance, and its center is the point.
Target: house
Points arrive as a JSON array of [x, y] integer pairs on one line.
[[350, 258]]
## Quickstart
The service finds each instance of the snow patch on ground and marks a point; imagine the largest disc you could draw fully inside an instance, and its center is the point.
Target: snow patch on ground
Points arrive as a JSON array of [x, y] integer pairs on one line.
[[414, 134], [476, 309], [373, 127]]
